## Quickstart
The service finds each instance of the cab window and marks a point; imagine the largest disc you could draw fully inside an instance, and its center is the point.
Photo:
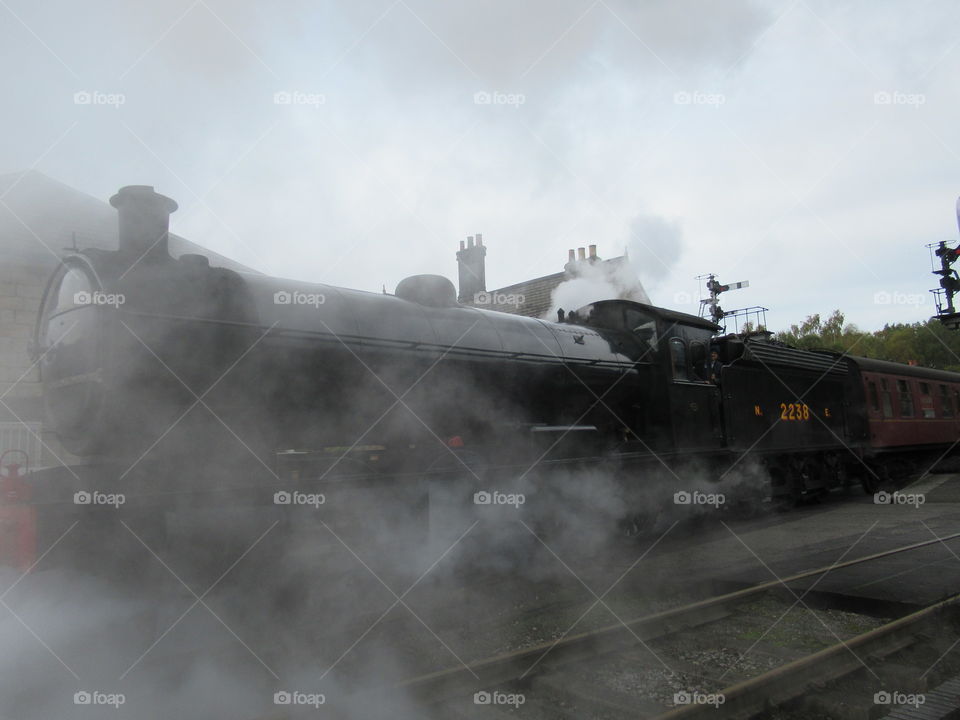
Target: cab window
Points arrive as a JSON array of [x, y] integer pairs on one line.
[[698, 360], [678, 357], [643, 326]]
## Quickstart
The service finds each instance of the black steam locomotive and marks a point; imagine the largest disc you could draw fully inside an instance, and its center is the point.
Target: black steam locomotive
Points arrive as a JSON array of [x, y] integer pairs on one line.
[[159, 367]]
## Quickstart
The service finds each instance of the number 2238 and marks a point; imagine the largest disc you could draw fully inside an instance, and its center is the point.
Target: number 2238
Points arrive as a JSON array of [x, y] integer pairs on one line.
[[794, 411]]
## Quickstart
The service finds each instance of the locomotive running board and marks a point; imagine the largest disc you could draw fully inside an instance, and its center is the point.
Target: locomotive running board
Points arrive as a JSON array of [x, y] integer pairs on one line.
[[563, 428]]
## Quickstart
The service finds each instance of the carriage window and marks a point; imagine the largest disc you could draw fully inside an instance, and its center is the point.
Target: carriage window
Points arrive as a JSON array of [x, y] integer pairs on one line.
[[885, 394], [678, 355], [926, 401], [874, 399], [946, 402], [906, 398]]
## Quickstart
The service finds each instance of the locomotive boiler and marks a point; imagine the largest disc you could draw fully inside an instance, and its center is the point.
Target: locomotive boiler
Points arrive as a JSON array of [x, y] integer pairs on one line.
[[149, 359]]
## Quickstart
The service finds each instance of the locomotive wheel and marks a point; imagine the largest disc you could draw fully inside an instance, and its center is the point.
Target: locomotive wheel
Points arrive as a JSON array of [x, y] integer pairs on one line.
[[782, 489], [870, 482], [640, 524]]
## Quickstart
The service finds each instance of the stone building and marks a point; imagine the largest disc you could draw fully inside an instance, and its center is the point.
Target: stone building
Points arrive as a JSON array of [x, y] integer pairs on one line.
[[534, 297]]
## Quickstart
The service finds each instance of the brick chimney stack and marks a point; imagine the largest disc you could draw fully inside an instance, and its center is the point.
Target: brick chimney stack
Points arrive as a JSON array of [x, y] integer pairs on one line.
[[472, 267]]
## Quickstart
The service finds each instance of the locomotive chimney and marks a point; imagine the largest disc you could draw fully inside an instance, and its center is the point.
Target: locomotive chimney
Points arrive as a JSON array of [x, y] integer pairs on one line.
[[472, 269], [144, 221]]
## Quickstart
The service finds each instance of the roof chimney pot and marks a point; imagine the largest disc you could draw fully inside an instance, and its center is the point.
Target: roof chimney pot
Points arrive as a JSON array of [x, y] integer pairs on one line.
[[469, 240], [479, 239], [581, 253], [593, 252]]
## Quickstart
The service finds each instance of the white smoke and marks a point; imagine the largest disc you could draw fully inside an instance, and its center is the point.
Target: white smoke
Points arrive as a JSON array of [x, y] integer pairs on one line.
[[654, 246], [598, 281], [652, 249]]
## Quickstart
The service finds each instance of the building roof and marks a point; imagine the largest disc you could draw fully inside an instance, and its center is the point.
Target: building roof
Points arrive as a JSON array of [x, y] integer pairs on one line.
[[538, 293], [41, 217]]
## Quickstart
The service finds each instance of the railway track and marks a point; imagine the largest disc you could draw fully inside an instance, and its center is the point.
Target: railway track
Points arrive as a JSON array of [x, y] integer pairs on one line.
[[553, 667]]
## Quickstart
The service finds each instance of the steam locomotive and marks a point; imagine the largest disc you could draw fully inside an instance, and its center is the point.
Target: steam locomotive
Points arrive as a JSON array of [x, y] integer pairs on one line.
[[162, 367]]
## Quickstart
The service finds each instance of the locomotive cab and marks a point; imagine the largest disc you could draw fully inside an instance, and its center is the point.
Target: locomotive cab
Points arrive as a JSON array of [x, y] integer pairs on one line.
[[680, 409]]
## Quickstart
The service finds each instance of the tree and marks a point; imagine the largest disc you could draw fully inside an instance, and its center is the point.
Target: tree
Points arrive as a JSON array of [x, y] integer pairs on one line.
[[925, 343]]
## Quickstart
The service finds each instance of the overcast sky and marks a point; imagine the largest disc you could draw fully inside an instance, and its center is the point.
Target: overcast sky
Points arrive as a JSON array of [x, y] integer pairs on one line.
[[807, 146]]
